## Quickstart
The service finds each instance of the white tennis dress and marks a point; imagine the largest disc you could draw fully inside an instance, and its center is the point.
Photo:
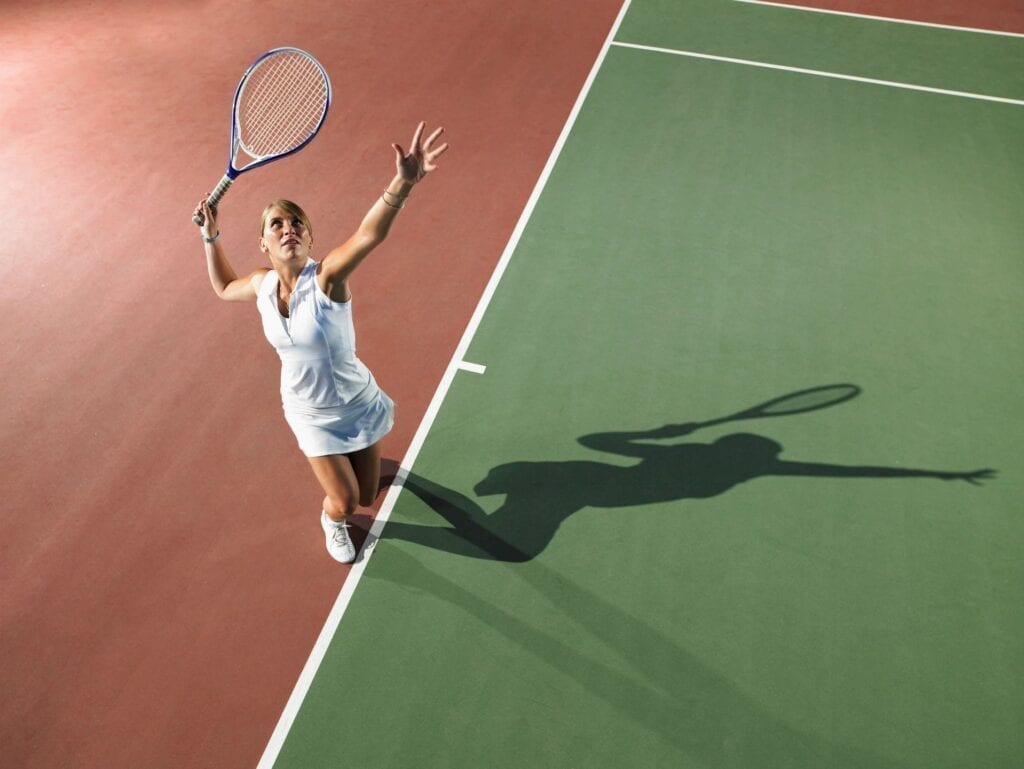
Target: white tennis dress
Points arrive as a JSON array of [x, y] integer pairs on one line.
[[331, 400]]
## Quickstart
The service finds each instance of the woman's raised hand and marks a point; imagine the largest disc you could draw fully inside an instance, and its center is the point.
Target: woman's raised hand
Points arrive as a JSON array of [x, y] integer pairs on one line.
[[206, 217], [419, 161]]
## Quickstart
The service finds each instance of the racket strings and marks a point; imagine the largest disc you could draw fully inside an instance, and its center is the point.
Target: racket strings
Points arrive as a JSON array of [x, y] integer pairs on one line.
[[290, 98], [281, 104], [286, 105]]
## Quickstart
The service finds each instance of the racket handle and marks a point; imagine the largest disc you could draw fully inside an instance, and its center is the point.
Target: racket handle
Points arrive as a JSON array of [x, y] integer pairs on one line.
[[215, 196]]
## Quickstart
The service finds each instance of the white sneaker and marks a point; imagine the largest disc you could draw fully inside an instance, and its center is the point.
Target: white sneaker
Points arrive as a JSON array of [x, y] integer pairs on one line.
[[339, 544]]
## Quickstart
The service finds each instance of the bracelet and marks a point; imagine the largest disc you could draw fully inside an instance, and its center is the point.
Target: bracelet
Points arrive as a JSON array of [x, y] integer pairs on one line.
[[396, 195], [211, 240], [399, 207]]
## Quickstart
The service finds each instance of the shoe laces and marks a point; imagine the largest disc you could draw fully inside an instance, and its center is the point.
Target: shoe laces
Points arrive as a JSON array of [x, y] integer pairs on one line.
[[340, 535]]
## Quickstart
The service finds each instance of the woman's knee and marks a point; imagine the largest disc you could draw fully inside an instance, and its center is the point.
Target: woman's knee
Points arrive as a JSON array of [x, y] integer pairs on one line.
[[339, 506]]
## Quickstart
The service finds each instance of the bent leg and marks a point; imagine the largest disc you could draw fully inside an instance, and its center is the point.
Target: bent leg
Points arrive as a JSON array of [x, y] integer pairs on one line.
[[339, 484], [348, 480]]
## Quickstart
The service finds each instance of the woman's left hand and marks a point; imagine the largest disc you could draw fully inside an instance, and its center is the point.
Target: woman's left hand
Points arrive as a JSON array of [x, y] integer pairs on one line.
[[419, 161]]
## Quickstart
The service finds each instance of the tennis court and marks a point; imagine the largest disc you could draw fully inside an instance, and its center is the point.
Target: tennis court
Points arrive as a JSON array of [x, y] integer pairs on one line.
[[714, 234], [587, 559]]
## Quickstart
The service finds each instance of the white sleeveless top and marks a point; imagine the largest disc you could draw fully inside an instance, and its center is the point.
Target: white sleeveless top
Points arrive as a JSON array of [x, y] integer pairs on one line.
[[316, 344]]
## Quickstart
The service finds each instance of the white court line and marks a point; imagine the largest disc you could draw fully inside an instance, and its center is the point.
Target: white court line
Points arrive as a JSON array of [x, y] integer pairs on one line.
[[316, 656], [473, 368], [883, 18], [819, 73]]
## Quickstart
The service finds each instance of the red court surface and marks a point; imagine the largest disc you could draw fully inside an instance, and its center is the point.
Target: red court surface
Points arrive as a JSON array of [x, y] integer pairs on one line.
[[994, 15], [164, 575]]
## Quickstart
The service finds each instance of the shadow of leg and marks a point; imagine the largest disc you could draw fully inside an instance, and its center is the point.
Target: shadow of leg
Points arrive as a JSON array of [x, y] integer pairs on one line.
[[469, 533]]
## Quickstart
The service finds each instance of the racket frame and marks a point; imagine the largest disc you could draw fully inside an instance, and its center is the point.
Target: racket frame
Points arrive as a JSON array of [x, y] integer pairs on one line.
[[232, 171], [762, 410]]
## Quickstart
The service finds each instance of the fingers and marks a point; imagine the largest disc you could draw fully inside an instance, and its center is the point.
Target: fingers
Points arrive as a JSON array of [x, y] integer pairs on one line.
[[978, 476], [428, 160], [399, 158], [438, 152], [421, 156], [433, 137], [205, 215], [433, 154], [416, 136], [419, 144]]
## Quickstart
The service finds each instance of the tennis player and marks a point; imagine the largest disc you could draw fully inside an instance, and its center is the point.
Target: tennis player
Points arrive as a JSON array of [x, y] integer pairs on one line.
[[331, 401]]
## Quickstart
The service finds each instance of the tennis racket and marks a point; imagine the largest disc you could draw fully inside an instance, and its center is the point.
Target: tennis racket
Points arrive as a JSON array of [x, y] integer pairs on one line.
[[798, 402], [280, 104]]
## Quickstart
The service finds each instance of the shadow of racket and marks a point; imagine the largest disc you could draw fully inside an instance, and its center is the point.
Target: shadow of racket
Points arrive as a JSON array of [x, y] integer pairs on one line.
[[799, 402]]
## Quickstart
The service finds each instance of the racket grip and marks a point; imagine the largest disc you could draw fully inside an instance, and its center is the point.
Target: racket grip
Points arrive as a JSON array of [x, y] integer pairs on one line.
[[215, 197]]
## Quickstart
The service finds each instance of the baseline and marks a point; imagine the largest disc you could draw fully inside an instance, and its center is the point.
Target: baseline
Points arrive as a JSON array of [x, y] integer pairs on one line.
[[889, 19], [820, 73]]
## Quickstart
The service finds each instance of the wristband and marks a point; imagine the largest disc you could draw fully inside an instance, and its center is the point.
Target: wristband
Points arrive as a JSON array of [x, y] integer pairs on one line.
[[213, 239]]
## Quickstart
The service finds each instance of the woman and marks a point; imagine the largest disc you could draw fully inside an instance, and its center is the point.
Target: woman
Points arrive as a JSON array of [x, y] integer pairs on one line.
[[330, 399]]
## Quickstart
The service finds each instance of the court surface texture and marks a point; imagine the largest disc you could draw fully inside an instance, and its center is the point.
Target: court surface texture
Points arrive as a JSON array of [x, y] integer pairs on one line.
[[654, 215]]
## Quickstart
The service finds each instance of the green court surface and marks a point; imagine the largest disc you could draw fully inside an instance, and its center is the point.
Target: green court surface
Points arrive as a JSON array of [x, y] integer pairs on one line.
[[561, 585]]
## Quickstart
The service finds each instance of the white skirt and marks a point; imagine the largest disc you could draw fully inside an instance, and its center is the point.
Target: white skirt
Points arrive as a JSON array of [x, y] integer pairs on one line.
[[343, 429]]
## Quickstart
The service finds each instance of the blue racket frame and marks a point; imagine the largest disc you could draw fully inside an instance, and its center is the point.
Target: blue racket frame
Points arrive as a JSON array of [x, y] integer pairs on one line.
[[232, 171], [235, 129]]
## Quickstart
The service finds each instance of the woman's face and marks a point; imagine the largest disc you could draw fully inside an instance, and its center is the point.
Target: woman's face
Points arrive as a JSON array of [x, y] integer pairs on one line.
[[285, 237]]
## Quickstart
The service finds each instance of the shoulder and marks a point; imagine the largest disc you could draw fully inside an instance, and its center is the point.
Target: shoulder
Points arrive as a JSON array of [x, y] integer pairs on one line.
[[256, 278]]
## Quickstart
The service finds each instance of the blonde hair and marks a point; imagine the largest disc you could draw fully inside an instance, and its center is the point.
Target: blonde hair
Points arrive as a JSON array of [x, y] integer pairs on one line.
[[292, 209]]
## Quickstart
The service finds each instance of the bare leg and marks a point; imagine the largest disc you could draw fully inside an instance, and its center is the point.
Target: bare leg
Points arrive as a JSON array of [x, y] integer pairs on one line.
[[348, 480], [366, 465]]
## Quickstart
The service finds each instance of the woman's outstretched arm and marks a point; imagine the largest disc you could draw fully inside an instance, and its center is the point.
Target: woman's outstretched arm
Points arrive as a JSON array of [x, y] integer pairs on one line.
[[410, 168]]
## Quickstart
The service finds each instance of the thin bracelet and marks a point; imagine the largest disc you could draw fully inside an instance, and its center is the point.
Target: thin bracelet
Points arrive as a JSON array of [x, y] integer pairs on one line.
[[396, 195], [211, 240], [399, 207]]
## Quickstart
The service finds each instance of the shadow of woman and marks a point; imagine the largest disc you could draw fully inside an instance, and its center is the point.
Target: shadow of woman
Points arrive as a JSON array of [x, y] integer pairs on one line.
[[539, 496], [667, 690]]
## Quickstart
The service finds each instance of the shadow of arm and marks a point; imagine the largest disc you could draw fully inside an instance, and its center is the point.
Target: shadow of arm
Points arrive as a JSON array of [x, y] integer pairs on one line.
[[623, 442], [974, 477]]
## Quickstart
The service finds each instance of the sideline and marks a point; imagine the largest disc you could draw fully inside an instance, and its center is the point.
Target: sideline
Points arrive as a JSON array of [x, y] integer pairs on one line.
[[291, 709]]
